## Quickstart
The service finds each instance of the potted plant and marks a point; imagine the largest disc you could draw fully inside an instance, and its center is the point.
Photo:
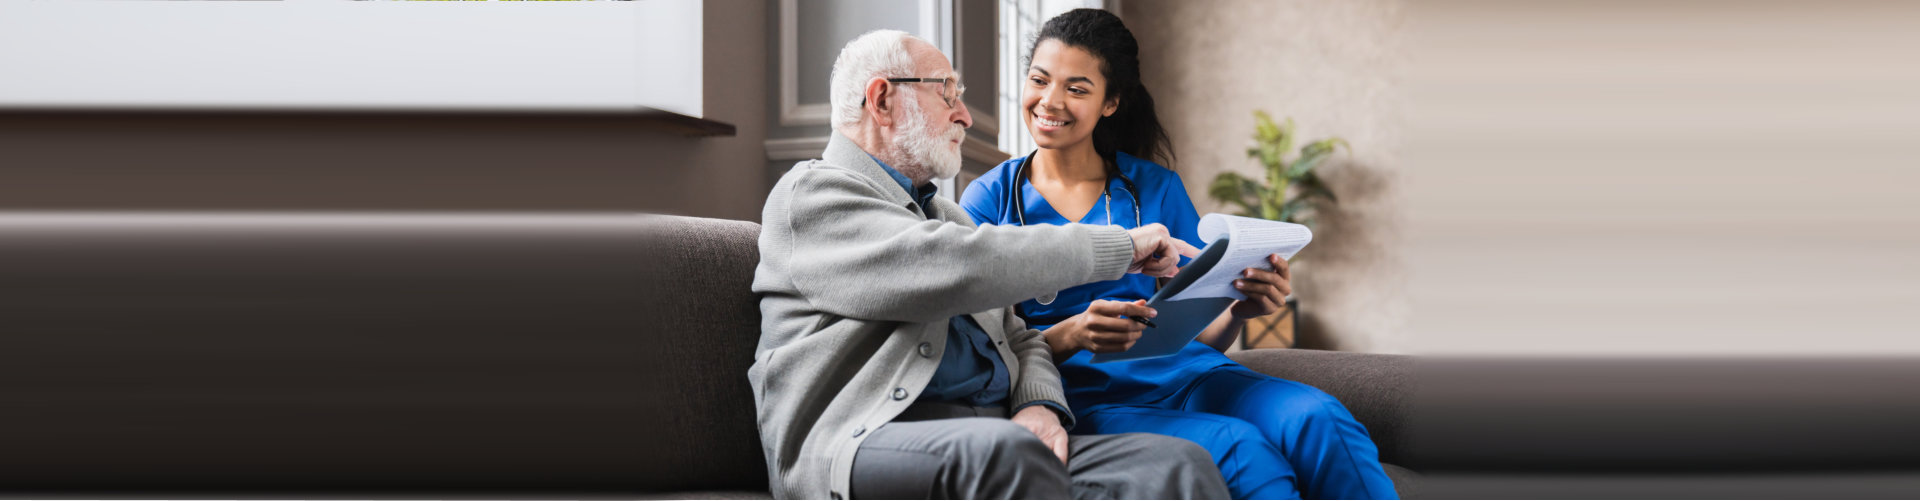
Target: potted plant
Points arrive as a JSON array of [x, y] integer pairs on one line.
[[1292, 192]]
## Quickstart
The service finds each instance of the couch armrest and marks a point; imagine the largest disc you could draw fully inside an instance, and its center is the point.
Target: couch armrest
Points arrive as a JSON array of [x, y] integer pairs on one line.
[[1376, 388]]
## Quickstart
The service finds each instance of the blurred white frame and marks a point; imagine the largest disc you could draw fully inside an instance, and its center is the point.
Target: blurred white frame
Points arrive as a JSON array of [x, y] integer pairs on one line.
[[569, 56]]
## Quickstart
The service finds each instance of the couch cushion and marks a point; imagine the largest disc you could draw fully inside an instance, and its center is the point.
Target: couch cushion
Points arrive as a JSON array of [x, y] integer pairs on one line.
[[1376, 388], [377, 352], [1559, 415]]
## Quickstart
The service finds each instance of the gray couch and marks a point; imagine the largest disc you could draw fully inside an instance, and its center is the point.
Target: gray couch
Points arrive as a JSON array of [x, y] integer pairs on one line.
[[396, 355], [604, 356]]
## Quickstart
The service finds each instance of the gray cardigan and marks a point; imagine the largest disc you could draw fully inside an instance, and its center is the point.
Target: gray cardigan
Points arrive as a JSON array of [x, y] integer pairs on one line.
[[855, 291]]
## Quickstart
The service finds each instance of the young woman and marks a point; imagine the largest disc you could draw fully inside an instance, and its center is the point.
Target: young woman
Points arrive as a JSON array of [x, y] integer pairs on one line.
[[1099, 139]]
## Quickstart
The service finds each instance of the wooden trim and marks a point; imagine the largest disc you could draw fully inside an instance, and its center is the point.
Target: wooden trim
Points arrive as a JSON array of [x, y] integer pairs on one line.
[[792, 111], [799, 148], [980, 150]]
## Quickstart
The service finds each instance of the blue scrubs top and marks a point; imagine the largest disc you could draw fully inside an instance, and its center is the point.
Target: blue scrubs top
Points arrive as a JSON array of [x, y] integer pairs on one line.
[[1162, 199]]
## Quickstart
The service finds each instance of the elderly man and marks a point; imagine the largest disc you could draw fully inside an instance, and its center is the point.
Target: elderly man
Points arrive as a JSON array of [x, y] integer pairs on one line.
[[889, 365]]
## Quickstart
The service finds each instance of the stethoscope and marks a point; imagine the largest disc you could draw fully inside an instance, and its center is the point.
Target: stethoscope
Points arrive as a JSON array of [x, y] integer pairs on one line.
[[1020, 204]]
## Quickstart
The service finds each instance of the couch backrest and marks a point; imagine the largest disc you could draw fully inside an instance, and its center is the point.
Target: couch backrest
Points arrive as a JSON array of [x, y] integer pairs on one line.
[[377, 351], [705, 320]]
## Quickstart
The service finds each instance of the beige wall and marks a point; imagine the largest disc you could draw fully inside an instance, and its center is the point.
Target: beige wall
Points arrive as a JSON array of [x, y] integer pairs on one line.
[[303, 162], [1579, 178], [1641, 177], [1335, 67]]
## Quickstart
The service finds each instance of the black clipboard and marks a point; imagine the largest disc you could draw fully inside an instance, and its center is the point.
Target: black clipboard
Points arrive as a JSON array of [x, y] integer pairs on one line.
[[1179, 321]]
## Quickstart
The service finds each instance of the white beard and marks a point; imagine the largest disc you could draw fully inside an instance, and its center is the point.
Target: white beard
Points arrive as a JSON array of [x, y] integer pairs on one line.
[[917, 147]]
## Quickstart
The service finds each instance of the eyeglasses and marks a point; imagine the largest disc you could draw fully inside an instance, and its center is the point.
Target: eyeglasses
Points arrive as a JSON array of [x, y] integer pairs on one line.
[[950, 88]]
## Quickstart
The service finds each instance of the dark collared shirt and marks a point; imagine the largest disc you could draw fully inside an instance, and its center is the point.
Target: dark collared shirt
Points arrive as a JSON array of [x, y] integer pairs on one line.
[[971, 371]]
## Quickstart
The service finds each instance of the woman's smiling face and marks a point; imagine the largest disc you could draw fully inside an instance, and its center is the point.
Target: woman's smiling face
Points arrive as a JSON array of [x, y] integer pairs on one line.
[[1065, 96]]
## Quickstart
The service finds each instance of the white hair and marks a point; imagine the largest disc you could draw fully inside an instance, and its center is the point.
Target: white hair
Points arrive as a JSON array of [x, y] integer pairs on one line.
[[878, 53], [919, 148]]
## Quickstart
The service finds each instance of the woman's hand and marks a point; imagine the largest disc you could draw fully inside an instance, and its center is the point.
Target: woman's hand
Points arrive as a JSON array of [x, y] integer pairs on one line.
[[1100, 329], [1266, 290]]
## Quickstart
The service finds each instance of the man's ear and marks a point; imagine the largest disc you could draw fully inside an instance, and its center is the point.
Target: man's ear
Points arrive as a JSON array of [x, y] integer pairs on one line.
[[879, 106]]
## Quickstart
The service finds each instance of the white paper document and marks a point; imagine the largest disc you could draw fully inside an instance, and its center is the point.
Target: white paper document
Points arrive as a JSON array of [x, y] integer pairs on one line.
[[1249, 242], [1204, 287]]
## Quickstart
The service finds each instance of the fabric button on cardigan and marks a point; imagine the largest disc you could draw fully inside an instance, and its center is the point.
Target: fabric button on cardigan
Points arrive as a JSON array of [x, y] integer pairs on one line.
[[899, 393]]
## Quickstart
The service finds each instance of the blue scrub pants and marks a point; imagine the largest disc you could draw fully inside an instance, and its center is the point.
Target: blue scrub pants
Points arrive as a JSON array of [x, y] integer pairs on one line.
[[1272, 438]]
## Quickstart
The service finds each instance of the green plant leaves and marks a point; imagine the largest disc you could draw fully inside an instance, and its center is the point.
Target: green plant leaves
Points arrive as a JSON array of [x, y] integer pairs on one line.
[[1271, 141], [1313, 154], [1286, 136], [1231, 187], [1311, 187], [1269, 200], [1297, 208]]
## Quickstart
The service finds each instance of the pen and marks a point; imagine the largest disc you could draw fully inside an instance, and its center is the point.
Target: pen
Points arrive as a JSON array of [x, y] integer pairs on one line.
[[1143, 320]]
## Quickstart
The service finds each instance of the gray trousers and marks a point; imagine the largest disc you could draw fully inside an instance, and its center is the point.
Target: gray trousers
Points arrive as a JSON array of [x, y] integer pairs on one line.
[[943, 451]]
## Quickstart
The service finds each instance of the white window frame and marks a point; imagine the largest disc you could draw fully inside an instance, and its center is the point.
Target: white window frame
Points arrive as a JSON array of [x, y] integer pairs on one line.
[[334, 55]]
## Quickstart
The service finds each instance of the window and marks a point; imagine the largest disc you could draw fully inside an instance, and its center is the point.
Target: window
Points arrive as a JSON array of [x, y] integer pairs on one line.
[[1020, 22], [587, 56]]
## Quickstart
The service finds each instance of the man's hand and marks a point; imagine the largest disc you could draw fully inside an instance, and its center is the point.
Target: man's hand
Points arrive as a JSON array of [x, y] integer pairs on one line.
[[1266, 290], [1100, 329], [1041, 420], [1156, 253]]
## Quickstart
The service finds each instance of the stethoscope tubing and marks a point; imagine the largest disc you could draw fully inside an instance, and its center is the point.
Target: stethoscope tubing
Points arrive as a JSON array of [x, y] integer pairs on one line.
[[1020, 179]]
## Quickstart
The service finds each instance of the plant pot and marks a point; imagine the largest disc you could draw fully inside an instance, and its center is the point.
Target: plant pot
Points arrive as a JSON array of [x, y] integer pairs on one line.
[[1272, 331]]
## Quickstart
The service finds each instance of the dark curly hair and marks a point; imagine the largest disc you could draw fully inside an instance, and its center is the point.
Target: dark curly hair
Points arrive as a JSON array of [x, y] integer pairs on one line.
[[1133, 128]]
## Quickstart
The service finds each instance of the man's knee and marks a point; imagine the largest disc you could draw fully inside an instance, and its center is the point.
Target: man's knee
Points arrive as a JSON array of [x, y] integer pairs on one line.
[[1005, 460], [1163, 451], [1177, 451], [1001, 441], [1178, 468], [958, 458]]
